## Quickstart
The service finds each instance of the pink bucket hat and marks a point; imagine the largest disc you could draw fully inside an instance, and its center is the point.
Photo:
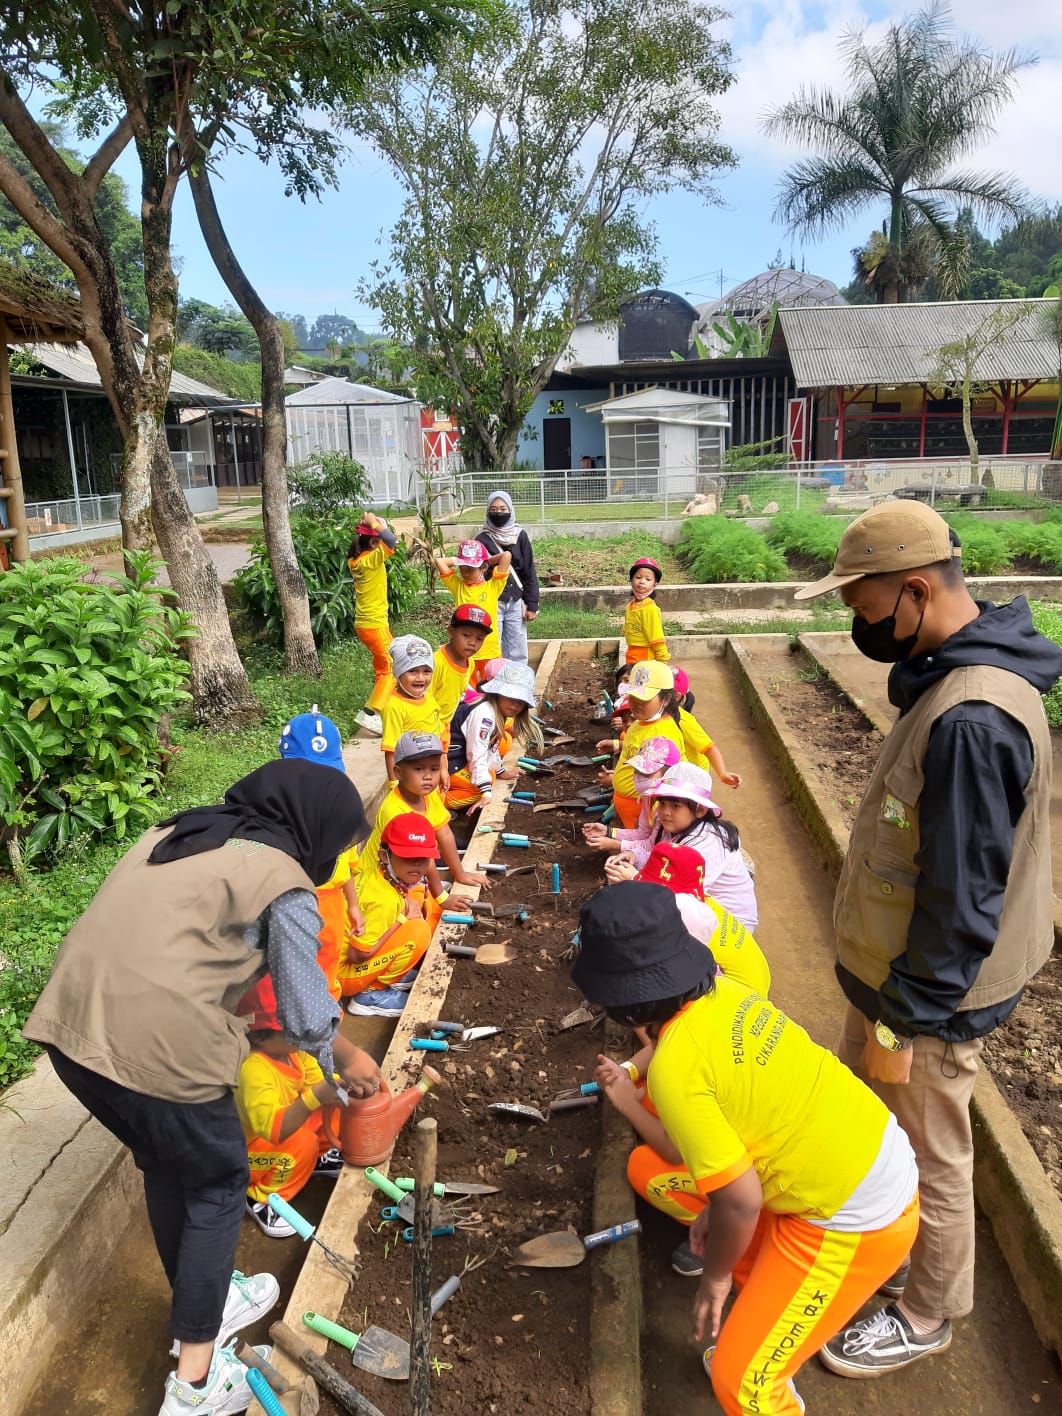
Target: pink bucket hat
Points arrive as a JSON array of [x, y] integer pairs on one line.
[[682, 680], [655, 755], [686, 782], [472, 553]]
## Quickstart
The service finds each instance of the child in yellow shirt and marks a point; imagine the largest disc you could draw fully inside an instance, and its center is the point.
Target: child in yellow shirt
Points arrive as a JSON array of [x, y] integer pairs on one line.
[[372, 546], [279, 1098], [650, 695], [642, 626], [464, 575], [470, 628], [411, 707], [700, 749]]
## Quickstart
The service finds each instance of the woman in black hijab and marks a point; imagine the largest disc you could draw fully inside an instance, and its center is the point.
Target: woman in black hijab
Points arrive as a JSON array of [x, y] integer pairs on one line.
[[138, 1019]]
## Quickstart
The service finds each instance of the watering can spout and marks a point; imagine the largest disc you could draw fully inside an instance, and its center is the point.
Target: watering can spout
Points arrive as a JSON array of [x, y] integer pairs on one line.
[[364, 1131]]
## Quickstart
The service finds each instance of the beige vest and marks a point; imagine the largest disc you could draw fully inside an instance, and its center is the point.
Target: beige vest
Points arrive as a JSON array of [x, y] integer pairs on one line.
[[875, 894], [143, 984]]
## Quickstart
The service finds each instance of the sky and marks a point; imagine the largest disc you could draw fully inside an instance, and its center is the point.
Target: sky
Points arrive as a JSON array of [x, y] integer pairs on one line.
[[307, 259]]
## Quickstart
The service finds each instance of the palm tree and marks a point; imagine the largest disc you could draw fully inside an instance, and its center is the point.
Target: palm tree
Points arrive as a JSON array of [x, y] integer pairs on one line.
[[918, 101]]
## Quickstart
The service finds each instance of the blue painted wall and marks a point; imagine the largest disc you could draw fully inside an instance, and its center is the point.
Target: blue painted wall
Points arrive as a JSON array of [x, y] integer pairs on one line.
[[588, 431]]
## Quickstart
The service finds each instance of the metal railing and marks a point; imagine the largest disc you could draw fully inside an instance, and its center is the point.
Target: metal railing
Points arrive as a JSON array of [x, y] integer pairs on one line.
[[194, 469], [55, 518], [610, 494]]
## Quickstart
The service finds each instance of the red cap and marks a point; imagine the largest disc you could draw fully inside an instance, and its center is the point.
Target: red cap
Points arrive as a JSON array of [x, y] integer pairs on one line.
[[474, 615], [259, 1006], [410, 836], [366, 528], [680, 868]]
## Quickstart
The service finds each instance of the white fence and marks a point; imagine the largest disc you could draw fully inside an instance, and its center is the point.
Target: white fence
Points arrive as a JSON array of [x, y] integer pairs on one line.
[[662, 494], [56, 518]]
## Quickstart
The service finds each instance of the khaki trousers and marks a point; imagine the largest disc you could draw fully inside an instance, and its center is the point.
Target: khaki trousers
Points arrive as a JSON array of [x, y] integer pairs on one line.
[[934, 1109]]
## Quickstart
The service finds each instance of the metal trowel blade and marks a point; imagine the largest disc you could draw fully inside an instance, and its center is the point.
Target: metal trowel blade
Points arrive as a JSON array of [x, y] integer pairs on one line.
[[560, 1250], [382, 1353], [517, 1109]]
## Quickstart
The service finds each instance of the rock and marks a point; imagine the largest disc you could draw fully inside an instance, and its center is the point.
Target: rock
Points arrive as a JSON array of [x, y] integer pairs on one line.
[[744, 504], [771, 509]]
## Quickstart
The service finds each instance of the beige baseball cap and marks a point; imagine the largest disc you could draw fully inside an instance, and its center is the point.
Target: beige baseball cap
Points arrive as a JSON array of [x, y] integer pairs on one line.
[[897, 535]]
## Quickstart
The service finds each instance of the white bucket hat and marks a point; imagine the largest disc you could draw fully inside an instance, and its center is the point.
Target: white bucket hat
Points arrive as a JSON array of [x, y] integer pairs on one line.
[[513, 681], [686, 782]]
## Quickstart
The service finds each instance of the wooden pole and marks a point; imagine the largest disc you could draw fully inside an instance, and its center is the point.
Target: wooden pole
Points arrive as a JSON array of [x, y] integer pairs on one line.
[[425, 1156], [10, 471], [337, 1387]]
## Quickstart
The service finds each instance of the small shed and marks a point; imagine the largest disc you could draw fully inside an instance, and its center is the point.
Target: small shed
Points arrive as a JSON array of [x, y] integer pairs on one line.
[[661, 437], [377, 428]]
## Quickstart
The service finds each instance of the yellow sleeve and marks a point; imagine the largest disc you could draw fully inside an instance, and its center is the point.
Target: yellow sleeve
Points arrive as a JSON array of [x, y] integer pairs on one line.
[[682, 1091], [452, 582], [311, 1069], [394, 722], [260, 1098], [381, 905], [696, 739], [654, 632]]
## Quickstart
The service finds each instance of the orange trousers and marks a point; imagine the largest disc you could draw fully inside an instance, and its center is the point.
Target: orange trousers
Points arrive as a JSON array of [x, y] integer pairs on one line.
[[403, 951], [637, 654], [627, 810], [332, 907], [377, 642], [283, 1167], [798, 1284]]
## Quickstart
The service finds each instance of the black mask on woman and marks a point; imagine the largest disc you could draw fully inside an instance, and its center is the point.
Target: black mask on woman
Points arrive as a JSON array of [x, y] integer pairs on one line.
[[498, 518], [876, 639]]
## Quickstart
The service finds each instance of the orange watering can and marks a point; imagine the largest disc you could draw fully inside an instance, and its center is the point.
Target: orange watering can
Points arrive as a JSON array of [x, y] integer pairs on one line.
[[364, 1131]]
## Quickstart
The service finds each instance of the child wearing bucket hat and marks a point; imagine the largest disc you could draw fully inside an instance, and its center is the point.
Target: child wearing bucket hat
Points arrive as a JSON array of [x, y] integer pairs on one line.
[[279, 1097], [411, 707], [812, 1184], [650, 697], [480, 731], [700, 748], [642, 627], [396, 933], [367, 558], [465, 576], [648, 764]]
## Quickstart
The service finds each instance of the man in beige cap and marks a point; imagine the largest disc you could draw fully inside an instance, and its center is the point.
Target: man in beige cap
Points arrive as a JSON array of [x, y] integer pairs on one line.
[[944, 908]]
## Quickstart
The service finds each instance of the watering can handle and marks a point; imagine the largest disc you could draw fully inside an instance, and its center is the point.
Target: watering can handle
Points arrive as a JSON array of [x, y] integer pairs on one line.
[[382, 1183], [341, 1335], [329, 1116], [610, 1236], [303, 1228], [264, 1392]]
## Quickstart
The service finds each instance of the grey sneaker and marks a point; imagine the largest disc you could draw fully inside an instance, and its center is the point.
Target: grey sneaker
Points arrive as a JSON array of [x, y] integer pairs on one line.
[[882, 1343], [686, 1262], [893, 1287]]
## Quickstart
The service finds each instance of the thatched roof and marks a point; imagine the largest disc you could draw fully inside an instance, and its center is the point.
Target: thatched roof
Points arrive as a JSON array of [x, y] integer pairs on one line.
[[35, 309]]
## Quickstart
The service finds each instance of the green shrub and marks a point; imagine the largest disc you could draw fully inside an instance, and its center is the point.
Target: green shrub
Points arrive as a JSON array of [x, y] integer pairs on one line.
[[804, 533], [1040, 542], [326, 483], [242, 381], [1047, 617], [87, 669], [716, 549], [986, 549]]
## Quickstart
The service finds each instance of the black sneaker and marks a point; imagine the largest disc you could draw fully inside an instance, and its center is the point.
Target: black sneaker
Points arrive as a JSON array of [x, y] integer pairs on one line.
[[330, 1163], [893, 1287], [880, 1344], [686, 1262]]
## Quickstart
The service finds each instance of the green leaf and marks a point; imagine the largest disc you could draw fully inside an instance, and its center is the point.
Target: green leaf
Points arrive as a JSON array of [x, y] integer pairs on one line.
[[36, 708]]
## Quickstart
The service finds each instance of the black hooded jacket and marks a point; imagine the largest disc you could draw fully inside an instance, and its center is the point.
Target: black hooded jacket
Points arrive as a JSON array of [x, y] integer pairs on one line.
[[978, 762]]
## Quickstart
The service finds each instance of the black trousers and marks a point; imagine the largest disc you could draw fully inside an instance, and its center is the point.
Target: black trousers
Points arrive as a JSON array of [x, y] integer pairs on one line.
[[194, 1161]]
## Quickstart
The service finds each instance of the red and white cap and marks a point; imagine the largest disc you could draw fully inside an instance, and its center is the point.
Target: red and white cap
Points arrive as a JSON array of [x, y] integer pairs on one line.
[[410, 836], [680, 868]]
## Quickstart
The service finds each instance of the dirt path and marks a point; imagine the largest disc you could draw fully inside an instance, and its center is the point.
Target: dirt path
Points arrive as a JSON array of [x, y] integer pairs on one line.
[[995, 1365]]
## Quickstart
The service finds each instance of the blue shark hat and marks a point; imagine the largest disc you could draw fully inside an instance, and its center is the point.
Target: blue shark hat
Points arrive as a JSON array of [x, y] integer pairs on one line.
[[311, 737]]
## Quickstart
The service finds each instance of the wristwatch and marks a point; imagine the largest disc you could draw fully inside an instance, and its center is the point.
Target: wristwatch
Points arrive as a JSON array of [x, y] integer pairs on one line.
[[886, 1038]]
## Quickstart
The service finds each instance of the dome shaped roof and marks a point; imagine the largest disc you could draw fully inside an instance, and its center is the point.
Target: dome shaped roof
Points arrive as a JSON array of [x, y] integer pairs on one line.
[[752, 299]]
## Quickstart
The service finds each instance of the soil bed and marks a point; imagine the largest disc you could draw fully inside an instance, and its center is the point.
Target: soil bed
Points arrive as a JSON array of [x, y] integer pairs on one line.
[[510, 1337], [1025, 1054]]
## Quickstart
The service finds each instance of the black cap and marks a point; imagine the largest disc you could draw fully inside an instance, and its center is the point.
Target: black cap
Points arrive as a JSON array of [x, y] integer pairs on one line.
[[635, 947]]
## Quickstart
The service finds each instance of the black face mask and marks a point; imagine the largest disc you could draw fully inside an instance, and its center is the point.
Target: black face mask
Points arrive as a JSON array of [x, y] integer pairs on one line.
[[498, 518], [877, 639]]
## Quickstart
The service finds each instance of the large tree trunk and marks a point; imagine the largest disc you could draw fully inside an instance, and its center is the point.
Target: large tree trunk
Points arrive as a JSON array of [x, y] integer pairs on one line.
[[300, 651]]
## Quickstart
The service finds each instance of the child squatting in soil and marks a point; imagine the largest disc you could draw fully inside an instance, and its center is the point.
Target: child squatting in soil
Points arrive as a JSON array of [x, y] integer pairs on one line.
[[643, 628], [369, 551], [279, 1098], [812, 1184], [392, 893], [464, 576], [478, 731], [648, 764], [411, 708], [651, 695]]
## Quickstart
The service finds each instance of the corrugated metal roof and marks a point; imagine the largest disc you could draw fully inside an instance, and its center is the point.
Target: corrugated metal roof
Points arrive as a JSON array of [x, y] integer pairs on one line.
[[842, 345], [335, 391], [75, 363]]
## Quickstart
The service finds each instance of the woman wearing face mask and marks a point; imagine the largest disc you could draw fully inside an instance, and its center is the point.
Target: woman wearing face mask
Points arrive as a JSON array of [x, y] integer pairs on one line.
[[519, 600]]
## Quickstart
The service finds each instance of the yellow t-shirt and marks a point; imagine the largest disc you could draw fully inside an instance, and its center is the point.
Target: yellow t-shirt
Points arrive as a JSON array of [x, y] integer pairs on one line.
[[345, 865], [370, 587], [736, 951], [402, 714], [486, 595], [638, 733], [394, 804], [696, 739], [267, 1087], [448, 684], [738, 1085], [381, 904], [643, 628]]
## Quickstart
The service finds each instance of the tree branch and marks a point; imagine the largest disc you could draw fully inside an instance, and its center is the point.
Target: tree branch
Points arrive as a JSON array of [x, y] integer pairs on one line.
[[105, 156], [40, 153]]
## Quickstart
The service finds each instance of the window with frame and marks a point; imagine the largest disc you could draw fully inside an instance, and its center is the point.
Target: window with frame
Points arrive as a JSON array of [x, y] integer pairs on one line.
[[633, 447]]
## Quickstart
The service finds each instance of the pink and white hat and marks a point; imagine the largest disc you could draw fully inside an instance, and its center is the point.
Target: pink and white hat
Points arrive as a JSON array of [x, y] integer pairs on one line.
[[472, 553], [686, 782], [655, 755], [682, 680]]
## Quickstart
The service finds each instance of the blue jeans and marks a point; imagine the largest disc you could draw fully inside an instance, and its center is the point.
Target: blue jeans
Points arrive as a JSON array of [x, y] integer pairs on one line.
[[513, 630]]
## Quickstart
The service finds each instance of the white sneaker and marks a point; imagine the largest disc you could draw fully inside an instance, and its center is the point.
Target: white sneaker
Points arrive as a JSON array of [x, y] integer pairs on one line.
[[224, 1392], [247, 1300], [370, 722], [706, 1361]]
